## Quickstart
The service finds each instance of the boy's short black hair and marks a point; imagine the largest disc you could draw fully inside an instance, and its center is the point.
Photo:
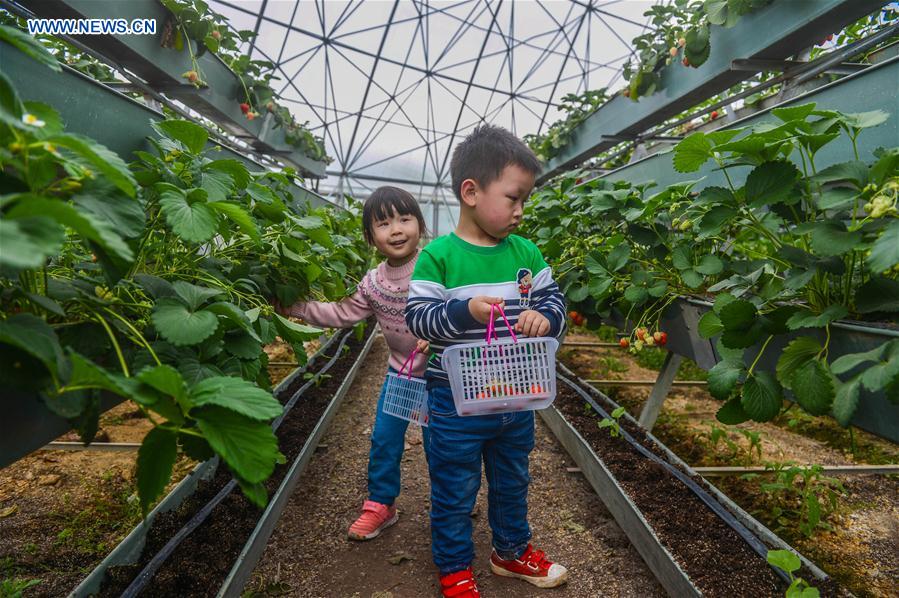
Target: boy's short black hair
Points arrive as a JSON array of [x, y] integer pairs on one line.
[[484, 154], [383, 202]]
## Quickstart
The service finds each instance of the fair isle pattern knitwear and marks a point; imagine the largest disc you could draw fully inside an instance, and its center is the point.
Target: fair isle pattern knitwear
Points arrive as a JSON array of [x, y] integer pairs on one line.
[[450, 271], [382, 293]]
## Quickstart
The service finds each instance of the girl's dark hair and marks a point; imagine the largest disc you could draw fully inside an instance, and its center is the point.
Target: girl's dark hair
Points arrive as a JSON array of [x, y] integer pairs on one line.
[[383, 202]]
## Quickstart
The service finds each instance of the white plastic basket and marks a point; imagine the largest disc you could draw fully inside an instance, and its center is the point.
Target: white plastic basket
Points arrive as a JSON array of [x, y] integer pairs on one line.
[[513, 374], [405, 396]]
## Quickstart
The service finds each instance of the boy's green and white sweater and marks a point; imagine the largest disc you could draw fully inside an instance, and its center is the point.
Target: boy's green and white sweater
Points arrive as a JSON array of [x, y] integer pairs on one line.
[[450, 271]]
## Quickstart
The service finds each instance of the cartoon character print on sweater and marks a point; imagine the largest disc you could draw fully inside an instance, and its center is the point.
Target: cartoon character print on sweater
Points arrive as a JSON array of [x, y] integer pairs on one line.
[[524, 278]]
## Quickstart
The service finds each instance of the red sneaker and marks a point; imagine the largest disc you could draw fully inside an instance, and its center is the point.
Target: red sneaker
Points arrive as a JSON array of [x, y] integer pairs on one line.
[[374, 519], [460, 584], [532, 567]]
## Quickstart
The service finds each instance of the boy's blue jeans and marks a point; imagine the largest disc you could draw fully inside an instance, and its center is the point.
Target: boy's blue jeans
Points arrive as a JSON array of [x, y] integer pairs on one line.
[[387, 442], [455, 450]]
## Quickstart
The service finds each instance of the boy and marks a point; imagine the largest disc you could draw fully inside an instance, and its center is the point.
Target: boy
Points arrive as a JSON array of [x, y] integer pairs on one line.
[[456, 280]]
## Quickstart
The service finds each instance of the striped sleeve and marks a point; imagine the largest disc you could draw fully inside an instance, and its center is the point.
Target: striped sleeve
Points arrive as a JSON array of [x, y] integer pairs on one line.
[[429, 315], [546, 297]]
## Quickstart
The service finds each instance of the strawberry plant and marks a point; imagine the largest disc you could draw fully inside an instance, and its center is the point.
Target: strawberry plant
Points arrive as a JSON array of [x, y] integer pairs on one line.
[[612, 423], [789, 563], [577, 108], [152, 281], [794, 247], [681, 30], [193, 20], [802, 497]]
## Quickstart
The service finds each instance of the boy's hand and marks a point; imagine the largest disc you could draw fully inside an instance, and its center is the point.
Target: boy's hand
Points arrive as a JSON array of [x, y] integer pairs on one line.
[[532, 323], [423, 346], [479, 307]]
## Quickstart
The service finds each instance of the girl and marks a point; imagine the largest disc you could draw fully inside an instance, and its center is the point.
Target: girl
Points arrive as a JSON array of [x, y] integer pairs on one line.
[[393, 223]]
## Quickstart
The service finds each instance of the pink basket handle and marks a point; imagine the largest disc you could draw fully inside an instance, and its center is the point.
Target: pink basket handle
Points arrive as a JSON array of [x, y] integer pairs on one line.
[[509, 326], [409, 362], [491, 327], [491, 331], [491, 324]]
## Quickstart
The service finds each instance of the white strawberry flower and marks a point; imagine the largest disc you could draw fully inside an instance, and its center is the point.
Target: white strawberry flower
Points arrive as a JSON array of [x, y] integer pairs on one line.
[[32, 120]]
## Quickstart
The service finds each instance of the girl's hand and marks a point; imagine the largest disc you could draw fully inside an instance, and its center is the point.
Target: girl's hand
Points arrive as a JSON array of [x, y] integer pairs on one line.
[[479, 307], [532, 323], [423, 346], [284, 311]]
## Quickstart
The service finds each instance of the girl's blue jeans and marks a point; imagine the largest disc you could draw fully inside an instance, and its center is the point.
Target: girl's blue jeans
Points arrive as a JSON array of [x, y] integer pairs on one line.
[[388, 438], [456, 447]]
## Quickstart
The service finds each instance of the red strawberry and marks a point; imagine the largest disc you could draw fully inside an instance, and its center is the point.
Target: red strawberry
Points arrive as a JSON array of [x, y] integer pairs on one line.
[[244, 107], [714, 114], [685, 61], [641, 333], [624, 343], [663, 338]]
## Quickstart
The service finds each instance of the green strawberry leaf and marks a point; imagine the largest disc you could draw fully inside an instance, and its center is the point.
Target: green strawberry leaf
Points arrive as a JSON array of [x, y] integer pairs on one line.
[[845, 401], [238, 395], [796, 354], [723, 378], [28, 242], [194, 296], [762, 397], [181, 326], [808, 319], [194, 222], [732, 413], [100, 157], [812, 385], [84, 223], [692, 152], [155, 461], [249, 447], [191, 135]]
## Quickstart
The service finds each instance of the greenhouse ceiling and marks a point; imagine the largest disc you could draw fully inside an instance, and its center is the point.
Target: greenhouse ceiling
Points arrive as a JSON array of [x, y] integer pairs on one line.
[[393, 86]]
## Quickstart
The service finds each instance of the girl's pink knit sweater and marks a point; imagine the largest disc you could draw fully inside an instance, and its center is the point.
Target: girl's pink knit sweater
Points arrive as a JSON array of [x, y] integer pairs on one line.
[[382, 292]]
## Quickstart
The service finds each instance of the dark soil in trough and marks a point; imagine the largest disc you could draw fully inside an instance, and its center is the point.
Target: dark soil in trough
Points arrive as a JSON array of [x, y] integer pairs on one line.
[[713, 555], [199, 566]]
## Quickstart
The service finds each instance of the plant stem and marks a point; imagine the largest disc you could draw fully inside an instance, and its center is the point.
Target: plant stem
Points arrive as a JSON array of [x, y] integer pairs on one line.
[[115, 344], [757, 357]]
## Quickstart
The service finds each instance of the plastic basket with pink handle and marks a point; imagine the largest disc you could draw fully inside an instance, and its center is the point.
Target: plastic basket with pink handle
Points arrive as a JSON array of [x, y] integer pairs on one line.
[[500, 376], [405, 396]]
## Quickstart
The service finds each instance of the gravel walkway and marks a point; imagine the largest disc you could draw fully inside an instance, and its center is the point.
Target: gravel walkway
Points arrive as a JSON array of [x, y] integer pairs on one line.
[[309, 555]]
